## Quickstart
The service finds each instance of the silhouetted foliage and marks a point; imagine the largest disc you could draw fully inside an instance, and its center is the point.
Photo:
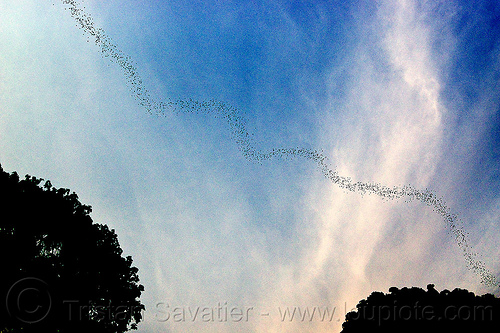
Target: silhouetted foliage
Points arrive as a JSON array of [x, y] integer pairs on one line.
[[60, 271], [416, 310]]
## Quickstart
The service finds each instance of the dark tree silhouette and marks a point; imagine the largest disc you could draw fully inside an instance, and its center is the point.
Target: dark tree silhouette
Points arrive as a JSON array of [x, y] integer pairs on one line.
[[60, 272], [416, 310]]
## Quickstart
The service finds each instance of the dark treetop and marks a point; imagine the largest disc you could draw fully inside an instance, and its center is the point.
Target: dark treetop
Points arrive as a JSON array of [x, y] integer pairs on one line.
[[416, 310], [60, 271]]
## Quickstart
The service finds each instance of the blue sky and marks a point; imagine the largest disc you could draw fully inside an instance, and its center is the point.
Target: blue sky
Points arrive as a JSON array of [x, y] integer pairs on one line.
[[395, 93]]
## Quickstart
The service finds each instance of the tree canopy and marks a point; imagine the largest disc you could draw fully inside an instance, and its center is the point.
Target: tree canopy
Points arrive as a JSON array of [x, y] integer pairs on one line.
[[61, 272], [416, 310]]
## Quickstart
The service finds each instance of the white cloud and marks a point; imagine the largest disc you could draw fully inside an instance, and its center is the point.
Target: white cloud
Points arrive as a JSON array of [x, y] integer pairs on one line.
[[386, 129]]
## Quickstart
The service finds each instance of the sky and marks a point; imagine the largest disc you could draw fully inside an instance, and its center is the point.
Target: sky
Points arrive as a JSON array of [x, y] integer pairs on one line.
[[243, 150]]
